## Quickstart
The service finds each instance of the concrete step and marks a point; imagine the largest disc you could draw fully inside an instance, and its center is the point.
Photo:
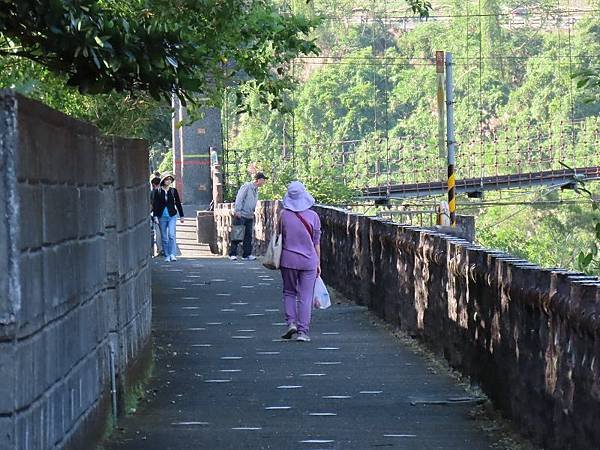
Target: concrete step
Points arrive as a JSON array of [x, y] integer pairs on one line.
[[187, 239]]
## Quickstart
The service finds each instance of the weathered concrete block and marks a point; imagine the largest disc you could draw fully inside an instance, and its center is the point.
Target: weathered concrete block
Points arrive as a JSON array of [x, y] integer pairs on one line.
[[74, 385], [66, 407], [84, 150], [125, 302], [30, 146], [142, 202], [30, 429], [141, 240], [53, 351], [51, 136], [91, 266], [7, 433], [30, 231], [25, 388], [60, 213], [90, 212], [40, 376], [32, 300], [89, 335], [61, 277], [7, 375], [122, 168], [121, 208]]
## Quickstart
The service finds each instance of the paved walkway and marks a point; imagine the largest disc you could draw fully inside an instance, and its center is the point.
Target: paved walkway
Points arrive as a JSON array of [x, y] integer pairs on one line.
[[224, 380]]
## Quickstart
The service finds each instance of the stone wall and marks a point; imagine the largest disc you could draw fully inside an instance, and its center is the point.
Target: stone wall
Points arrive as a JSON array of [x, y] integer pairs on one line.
[[265, 221], [74, 273], [530, 337]]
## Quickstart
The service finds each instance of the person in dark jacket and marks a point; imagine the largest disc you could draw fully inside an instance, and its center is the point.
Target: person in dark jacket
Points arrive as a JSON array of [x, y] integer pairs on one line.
[[165, 207], [156, 240]]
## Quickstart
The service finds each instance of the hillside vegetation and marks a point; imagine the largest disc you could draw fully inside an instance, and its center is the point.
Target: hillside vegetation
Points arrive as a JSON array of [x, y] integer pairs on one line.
[[364, 113]]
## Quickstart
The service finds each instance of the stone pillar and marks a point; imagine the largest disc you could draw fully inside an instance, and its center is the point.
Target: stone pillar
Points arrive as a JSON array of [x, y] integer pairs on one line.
[[192, 144]]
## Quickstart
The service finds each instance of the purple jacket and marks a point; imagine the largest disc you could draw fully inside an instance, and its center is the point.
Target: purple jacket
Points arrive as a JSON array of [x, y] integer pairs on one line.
[[298, 250]]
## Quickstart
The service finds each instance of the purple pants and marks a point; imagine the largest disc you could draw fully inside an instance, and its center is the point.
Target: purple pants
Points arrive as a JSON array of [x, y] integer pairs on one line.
[[298, 287]]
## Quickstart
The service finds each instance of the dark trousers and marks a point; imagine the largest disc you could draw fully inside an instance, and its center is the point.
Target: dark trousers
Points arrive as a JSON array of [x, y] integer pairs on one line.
[[247, 247]]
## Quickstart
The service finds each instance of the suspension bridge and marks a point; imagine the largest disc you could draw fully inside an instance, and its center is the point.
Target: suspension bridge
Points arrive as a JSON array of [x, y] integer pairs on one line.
[[566, 178]]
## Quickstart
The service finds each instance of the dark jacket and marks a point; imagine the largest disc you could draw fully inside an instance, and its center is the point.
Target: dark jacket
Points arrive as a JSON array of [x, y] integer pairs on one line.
[[153, 193], [171, 202]]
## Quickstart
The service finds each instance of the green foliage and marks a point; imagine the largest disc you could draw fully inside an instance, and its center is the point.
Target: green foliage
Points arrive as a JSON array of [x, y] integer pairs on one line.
[[167, 163], [158, 47], [547, 234], [589, 260], [365, 113], [137, 116]]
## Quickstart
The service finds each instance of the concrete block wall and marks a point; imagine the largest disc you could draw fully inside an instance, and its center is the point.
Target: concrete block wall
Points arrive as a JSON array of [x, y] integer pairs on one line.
[[529, 336], [76, 249]]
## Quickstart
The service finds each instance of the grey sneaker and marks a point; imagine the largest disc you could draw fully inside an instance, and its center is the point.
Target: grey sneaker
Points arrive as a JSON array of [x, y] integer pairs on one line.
[[233, 258], [302, 337], [292, 330], [249, 258]]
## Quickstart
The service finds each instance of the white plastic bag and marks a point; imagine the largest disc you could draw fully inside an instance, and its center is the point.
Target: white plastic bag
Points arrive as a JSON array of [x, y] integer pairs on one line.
[[321, 298]]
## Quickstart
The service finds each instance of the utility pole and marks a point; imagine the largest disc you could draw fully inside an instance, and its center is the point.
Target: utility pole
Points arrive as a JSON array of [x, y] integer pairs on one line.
[[450, 139], [439, 73]]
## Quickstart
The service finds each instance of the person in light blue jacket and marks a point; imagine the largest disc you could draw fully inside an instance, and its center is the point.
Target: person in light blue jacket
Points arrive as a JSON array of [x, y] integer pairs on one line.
[[245, 204]]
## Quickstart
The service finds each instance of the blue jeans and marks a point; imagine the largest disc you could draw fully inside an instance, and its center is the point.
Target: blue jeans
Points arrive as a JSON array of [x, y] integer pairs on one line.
[[247, 246], [167, 234]]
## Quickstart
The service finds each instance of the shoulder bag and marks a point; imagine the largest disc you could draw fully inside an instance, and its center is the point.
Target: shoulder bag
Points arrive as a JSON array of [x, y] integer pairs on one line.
[[272, 258]]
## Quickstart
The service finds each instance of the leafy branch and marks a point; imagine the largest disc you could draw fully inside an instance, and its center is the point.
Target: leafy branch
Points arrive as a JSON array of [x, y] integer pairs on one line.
[[188, 48]]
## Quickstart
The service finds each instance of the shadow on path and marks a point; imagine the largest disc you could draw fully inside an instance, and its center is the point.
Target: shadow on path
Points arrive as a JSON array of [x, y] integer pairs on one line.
[[224, 380]]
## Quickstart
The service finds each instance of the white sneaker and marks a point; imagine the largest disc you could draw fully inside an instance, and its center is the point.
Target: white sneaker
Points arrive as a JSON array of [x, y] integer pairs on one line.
[[302, 337], [168, 259], [249, 258], [173, 258], [233, 258]]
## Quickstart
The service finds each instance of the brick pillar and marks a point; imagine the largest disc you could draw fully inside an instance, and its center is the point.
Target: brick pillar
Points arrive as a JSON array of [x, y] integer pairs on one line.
[[191, 158]]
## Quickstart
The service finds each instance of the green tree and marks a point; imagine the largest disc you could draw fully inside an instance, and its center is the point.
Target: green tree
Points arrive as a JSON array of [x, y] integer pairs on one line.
[[183, 47]]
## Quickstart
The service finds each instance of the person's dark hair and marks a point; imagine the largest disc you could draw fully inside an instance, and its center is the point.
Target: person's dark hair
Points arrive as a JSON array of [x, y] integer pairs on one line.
[[260, 176]]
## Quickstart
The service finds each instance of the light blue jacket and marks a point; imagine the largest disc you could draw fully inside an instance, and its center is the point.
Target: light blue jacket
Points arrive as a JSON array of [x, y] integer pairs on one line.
[[246, 199]]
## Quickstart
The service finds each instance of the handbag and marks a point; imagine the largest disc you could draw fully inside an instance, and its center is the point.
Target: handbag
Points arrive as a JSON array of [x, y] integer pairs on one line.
[[237, 231], [272, 256]]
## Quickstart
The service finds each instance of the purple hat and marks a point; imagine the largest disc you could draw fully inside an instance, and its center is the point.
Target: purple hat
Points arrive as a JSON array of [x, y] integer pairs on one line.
[[297, 198]]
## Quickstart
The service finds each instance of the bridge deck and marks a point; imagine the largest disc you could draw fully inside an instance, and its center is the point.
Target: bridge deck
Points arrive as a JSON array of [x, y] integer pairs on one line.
[[468, 185], [224, 380]]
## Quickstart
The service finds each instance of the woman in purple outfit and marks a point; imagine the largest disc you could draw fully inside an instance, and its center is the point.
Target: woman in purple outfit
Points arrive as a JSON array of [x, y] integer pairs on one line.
[[300, 259]]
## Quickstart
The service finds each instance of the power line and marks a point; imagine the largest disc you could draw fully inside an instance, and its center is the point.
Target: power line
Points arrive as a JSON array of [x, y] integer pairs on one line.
[[432, 58], [432, 17]]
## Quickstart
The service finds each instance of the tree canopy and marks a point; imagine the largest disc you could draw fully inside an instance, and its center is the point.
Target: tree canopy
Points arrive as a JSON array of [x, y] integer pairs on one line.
[[162, 47], [182, 47]]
